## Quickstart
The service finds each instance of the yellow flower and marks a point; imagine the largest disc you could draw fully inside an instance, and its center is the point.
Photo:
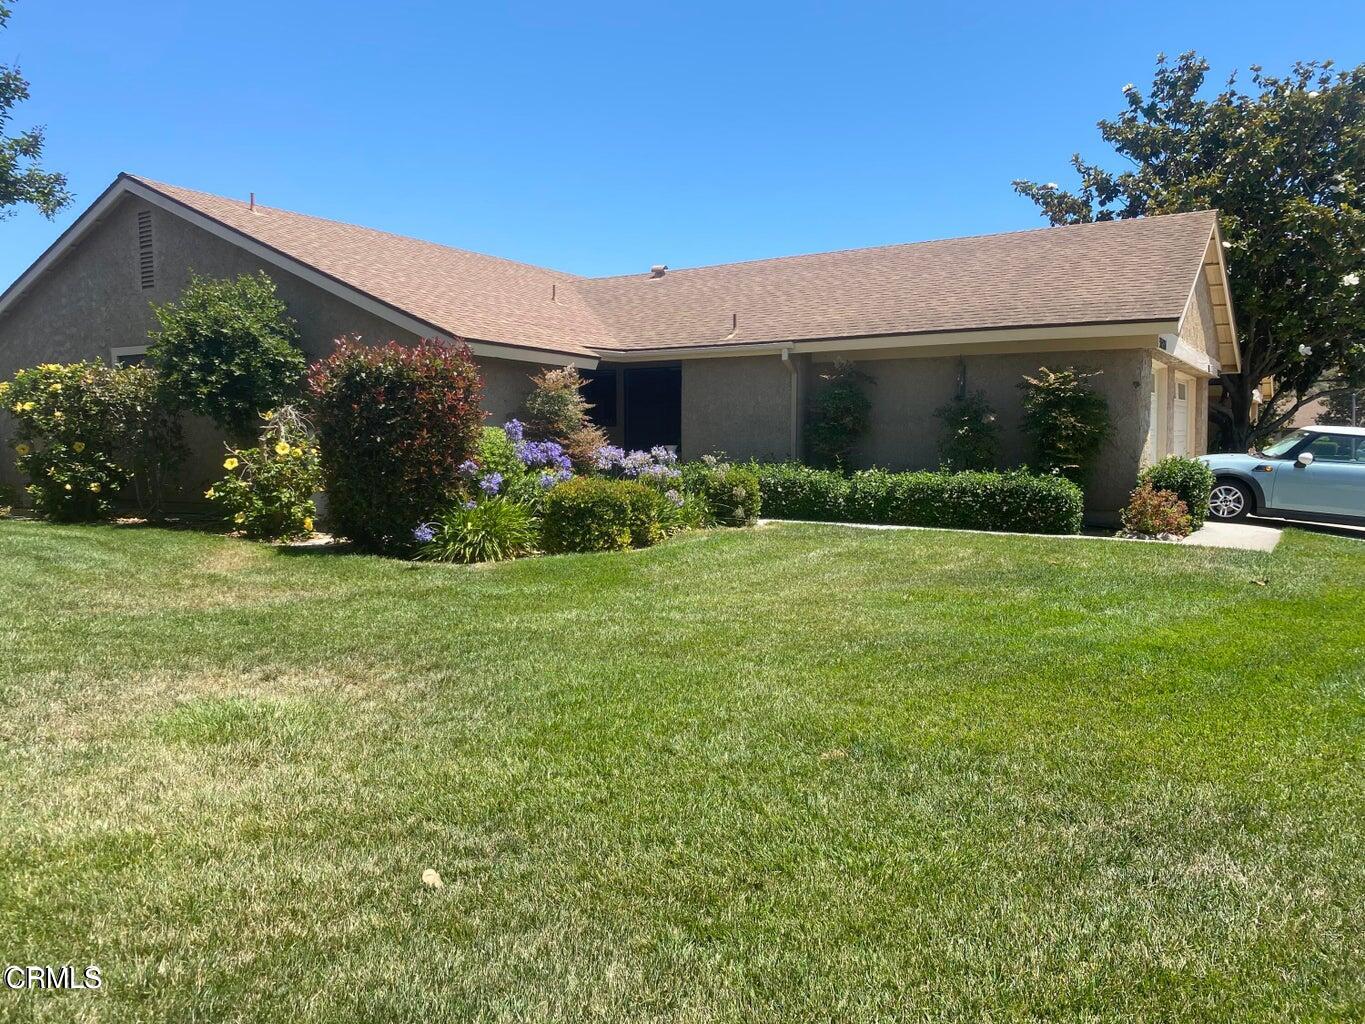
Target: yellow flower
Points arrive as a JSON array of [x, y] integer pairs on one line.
[[26, 407], [58, 415], [308, 524], [282, 448], [210, 493], [229, 463], [267, 415], [22, 449], [297, 453], [68, 487], [78, 447], [94, 488], [54, 387], [239, 518]]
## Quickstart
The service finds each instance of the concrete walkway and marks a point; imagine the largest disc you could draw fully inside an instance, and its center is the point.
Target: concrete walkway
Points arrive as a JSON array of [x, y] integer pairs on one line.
[[1243, 536]]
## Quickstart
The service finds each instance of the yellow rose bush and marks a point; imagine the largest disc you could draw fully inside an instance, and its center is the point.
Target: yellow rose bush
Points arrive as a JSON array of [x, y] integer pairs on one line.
[[268, 490]]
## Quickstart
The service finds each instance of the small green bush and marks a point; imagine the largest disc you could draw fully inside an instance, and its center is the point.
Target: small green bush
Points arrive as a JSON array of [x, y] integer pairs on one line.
[[268, 491], [732, 494], [841, 413], [598, 514], [1154, 513], [1066, 419], [1015, 501], [1188, 479], [498, 453], [227, 350], [491, 530], [971, 436]]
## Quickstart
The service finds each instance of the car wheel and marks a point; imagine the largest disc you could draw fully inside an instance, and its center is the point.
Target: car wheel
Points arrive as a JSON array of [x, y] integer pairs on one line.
[[1229, 500]]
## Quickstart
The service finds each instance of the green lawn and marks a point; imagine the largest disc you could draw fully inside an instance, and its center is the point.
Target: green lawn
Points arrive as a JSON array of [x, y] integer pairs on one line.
[[796, 773]]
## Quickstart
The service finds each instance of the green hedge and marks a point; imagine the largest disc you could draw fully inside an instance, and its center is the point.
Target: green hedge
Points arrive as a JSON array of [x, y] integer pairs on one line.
[[1015, 501], [600, 514], [1188, 479], [731, 493]]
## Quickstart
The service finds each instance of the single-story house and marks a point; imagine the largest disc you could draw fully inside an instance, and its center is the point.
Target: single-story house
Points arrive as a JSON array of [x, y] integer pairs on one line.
[[723, 358]]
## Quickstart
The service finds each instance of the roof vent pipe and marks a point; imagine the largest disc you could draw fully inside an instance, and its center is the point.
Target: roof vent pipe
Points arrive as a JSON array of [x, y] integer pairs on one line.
[[658, 270]]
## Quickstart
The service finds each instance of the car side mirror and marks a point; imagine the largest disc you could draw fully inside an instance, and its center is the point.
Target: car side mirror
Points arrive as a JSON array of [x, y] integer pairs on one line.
[[1305, 459]]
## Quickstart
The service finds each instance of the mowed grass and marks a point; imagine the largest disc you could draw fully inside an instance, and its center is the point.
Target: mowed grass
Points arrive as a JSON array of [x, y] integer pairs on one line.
[[796, 773]]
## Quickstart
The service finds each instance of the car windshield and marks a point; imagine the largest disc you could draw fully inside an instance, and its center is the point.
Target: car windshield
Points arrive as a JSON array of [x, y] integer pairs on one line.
[[1284, 444]]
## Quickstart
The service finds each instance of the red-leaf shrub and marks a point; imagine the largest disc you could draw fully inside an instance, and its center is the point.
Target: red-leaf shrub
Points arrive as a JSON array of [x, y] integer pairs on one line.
[[394, 424]]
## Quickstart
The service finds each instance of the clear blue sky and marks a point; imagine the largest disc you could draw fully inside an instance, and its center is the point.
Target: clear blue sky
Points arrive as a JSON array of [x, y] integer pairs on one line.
[[600, 138]]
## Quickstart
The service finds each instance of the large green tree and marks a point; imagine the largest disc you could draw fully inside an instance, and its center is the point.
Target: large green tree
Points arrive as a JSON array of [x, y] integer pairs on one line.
[[1284, 165], [22, 178]]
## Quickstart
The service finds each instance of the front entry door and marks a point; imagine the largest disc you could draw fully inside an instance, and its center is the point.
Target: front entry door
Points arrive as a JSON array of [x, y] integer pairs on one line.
[[653, 406]]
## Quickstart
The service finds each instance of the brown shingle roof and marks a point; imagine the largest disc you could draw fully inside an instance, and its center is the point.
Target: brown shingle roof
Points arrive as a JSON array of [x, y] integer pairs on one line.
[[1108, 272], [466, 294], [1084, 274]]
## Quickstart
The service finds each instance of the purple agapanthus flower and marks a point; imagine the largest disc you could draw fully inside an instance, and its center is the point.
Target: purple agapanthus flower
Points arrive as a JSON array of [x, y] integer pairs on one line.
[[674, 497], [490, 483], [607, 457], [548, 480], [469, 468], [534, 454], [514, 430], [423, 534]]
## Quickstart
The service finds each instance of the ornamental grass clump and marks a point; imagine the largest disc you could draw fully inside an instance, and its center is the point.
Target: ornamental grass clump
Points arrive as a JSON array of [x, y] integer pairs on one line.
[[268, 490], [492, 530], [398, 427]]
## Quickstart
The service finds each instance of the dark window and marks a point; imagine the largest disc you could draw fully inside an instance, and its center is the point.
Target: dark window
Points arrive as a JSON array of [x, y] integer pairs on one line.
[[599, 389], [145, 269], [653, 406]]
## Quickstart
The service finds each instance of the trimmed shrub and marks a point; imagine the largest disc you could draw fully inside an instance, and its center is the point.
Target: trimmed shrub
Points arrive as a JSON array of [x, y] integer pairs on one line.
[[1154, 513], [1188, 479], [492, 530], [971, 436], [396, 427], [1014, 501], [841, 414], [1066, 419], [597, 514], [79, 426], [557, 411], [732, 494], [227, 350], [268, 491], [792, 490]]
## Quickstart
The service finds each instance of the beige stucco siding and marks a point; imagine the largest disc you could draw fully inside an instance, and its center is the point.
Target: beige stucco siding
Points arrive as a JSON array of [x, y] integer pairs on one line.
[[91, 301], [739, 405]]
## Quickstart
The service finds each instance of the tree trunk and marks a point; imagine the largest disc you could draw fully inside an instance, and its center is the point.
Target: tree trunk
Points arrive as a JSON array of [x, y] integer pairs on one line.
[[1238, 430]]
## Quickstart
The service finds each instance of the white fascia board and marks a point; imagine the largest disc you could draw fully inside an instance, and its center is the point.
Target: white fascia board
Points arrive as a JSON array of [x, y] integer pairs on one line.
[[1143, 332], [355, 297]]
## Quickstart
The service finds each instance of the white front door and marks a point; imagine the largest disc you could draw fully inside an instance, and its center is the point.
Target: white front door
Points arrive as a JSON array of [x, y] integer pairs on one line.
[[1180, 428]]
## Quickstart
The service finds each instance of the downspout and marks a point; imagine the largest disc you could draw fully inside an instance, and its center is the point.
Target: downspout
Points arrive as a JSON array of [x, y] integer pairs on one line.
[[794, 428]]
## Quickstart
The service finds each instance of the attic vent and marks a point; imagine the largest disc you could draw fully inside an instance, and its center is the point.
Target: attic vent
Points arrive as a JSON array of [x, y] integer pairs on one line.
[[145, 269]]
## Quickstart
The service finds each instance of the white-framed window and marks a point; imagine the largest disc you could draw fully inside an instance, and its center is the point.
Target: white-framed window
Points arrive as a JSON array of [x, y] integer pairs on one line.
[[127, 355]]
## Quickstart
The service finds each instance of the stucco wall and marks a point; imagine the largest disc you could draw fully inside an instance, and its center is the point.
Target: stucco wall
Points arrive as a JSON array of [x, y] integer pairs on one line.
[[92, 301], [905, 392], [739, 405]]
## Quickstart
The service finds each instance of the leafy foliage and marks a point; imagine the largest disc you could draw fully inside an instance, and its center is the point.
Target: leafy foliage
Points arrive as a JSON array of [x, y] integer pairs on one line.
[[840, 415], [227, 350], [268, 491], [22, 178], [491, 530], [1066, 420], [1344, 408], [971, 436], [395, 425], [1188, 479], [1285, 167], [731, 493], [149, 444], [557, 411], [1015, 501], [1152, 512], [601, 514], [83, 430]]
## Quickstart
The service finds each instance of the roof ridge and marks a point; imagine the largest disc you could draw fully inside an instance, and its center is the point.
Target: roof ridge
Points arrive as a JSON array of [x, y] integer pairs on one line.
[[161, 186], [909, 245]]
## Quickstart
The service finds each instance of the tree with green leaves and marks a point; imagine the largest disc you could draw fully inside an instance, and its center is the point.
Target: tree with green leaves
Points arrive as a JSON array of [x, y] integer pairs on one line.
[[227, 350], [1284, 165], [22, 178]]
